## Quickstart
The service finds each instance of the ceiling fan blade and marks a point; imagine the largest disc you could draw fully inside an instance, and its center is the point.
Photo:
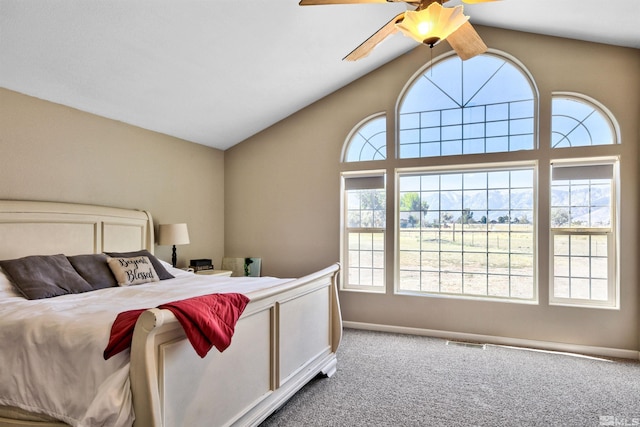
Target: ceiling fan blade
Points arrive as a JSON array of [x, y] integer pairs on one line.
[[321, 2], [367, 46], [466, 42], [477, 1]]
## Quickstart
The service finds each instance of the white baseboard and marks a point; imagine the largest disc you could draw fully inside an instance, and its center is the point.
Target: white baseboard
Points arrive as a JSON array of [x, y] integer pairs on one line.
[[490, 339]]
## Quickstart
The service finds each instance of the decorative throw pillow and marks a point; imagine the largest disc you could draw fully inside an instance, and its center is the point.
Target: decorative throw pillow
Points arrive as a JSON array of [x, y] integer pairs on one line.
[[132, 271], [44, 276], [160, 270], [94, 269]]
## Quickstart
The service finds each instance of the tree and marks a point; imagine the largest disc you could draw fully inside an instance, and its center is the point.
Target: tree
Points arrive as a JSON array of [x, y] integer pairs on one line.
[[373, 199], [466, 217], [560, 218], [410, 202], [372, 205], [445, 218]]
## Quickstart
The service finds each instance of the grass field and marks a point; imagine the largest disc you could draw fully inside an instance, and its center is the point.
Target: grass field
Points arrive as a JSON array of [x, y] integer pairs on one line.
[[495, 260], [471, 259]]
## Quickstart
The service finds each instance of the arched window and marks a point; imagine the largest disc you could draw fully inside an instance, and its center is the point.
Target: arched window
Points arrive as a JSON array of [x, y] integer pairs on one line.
[[368, 141], [577, 122], [583, 212], [468, 226], [483, 105]]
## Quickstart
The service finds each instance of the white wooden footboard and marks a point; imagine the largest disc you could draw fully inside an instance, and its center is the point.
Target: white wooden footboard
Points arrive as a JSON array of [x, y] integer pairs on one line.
[[285, 337]]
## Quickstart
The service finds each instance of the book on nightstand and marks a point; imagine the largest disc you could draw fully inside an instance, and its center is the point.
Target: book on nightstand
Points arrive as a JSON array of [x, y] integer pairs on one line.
[[200, 264]]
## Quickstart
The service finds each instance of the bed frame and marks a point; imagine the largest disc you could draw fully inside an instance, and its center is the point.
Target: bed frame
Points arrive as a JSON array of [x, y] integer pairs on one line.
[[285, 337]]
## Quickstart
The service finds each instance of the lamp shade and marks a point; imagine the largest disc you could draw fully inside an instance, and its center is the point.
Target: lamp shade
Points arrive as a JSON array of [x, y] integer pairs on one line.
[[173, 234], [433, 24]]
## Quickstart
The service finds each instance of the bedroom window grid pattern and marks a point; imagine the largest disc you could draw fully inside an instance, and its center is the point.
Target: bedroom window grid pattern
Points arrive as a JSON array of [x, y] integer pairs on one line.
[[365, 219], [483, 105], [472, 230], [582, 235], [490, 128], [368, 141], [467, 233], [580, 266], [579, 122]]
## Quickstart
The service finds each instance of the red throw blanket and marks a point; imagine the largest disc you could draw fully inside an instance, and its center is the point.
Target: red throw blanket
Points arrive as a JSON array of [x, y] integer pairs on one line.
[[208, 321]]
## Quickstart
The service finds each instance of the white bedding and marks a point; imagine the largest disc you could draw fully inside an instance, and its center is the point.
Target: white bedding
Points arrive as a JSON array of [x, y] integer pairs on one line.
[[51, 349]]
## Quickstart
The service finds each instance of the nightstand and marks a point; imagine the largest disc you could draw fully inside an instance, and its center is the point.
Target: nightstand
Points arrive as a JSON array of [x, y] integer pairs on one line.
[[215, 272]]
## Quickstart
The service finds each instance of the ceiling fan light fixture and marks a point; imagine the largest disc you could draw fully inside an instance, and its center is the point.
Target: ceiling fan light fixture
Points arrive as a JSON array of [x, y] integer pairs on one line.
[[432, 24]]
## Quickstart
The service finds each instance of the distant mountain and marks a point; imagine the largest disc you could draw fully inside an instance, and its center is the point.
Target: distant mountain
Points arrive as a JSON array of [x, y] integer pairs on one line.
[[517, 204]]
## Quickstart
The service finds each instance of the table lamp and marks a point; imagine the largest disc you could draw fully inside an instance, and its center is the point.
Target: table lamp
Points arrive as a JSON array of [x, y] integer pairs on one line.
[[173, 234]]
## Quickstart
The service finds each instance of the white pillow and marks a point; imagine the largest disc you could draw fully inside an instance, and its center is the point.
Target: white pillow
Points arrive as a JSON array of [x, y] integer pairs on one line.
[[132, 271], [6, 287], [174, 271]]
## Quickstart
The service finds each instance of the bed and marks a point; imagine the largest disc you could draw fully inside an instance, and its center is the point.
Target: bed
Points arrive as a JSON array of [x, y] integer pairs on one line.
[[287, 334]]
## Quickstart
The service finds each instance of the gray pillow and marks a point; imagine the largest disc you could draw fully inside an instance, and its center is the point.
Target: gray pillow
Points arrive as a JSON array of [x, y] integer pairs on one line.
[[157, 266], [94, 269], [44, 276]]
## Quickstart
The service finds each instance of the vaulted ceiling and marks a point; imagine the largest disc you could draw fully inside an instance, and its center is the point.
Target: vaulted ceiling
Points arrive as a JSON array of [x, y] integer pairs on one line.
[[217, 72]]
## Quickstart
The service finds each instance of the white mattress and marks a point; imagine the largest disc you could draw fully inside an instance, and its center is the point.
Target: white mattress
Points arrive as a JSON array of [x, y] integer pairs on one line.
[[51, 349]]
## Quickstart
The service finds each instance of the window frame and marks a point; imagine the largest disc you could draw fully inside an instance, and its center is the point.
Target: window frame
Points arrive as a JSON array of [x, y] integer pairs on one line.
[[356, 130], [542, 154], [612, 233], [507, 58], [345, 230], [597, 106], [462, 168]]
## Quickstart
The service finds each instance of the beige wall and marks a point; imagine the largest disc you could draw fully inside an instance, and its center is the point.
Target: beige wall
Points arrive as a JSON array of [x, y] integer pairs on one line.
[[51, 152], [281, 188], [282, 193]]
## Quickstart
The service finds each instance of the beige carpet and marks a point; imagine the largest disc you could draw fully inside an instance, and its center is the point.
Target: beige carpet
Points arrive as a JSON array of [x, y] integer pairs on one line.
[[386, 379]]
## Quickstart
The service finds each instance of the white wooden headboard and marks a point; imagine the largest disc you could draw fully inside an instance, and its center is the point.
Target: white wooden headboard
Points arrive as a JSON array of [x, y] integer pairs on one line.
[[48, 228]]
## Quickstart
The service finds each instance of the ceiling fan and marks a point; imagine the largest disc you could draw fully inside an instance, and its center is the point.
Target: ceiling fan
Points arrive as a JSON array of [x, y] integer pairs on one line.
[[429, 23]]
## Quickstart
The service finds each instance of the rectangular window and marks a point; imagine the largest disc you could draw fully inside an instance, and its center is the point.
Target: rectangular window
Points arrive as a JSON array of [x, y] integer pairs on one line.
[[364, 219], [583, 234], [468, 232]]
